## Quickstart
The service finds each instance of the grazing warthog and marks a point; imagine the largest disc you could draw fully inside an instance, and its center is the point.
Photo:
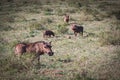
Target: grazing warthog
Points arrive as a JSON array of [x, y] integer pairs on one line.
[[66, 18], [37, 48], [77, 29], [48, 33]]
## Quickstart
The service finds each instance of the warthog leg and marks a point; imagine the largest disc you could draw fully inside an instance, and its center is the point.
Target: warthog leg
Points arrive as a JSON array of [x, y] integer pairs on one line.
[[75, 33]]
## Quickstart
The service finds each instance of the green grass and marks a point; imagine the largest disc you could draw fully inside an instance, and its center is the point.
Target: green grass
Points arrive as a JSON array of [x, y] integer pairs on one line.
[[95, 56]]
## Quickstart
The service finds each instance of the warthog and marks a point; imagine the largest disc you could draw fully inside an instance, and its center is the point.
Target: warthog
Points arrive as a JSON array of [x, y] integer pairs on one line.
[[77, 29], [37, 48], [48, 33], [66, 18]]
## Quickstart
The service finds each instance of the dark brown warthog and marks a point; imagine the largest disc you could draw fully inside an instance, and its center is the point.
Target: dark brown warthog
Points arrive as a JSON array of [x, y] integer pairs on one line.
[[77, 29], [38, 48], [48, 33], [66, 18]]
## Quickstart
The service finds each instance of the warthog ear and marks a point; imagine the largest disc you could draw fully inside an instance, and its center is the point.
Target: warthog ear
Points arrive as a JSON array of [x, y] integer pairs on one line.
[[50, 42]]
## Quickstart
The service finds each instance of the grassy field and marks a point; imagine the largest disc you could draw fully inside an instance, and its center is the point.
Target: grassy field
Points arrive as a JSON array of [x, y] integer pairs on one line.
[[95, 56]]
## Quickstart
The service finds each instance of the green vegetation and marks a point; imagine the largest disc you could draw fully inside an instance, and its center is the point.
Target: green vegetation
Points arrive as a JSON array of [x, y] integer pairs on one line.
[[95, 56], [62, 29], [36, 26]]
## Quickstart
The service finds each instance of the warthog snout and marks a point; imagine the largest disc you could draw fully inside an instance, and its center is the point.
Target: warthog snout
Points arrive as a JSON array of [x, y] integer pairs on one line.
[[50, 53]]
